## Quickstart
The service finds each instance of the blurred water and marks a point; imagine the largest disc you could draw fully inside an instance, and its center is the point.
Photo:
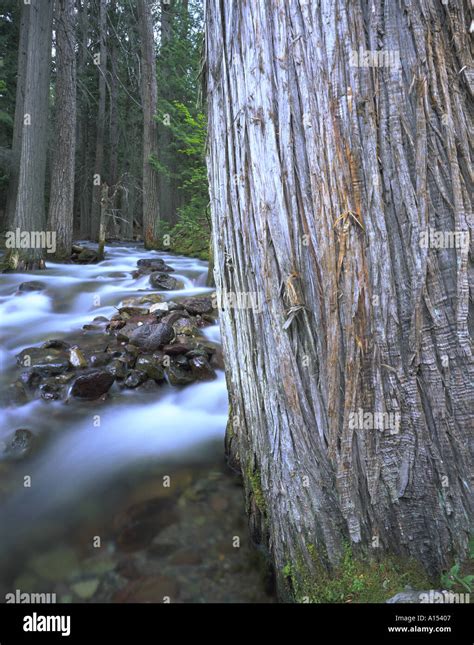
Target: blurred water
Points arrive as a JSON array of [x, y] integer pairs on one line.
[[76, 457]]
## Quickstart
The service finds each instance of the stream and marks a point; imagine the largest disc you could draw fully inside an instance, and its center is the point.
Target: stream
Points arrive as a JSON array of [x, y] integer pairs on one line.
[[126, 498]]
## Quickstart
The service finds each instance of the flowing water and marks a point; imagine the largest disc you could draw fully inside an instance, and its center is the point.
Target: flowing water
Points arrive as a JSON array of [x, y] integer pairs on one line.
[[94, 461]]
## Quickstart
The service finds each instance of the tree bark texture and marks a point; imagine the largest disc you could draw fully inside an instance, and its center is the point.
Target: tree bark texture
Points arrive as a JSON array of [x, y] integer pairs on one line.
[[29, 205], [324, 173], [61, 204], [151, 213]]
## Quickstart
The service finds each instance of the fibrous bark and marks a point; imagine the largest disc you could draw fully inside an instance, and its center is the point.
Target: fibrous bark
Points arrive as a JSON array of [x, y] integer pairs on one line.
[[151, 213], [61, 204], [324, 172]]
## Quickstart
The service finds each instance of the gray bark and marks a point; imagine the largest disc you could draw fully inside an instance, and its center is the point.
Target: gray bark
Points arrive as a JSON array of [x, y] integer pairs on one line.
[[29, 208], [323, 175], [99, 148], [14, 156], [61, 204], [151, 213]]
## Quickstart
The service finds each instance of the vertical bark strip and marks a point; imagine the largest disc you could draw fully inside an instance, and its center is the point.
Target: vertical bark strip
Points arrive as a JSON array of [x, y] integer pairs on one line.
[[151, 213], [29, 208], [61, 204], [99, 147], [323, 176], [19, 116]]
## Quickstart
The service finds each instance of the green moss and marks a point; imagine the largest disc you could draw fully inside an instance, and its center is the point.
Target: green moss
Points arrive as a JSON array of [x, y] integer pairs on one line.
[[353, 580], [253, 477]]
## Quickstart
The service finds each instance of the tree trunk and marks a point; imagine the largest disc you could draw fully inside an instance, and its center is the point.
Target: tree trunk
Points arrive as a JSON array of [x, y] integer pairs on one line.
[[14, 160], [151, 215], [29, 208], [61, 204], [164, 133], [324, 174], [83, 174], [99, 148]]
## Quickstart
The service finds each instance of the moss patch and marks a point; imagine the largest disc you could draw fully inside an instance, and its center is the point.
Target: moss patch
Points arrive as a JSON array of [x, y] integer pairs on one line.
[[354, 580]]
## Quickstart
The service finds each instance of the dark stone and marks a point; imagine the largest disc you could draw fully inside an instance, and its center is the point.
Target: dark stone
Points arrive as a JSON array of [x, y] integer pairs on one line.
[[163, 282], [137, 526], [118, 368], [87, 256], [172, 317], [198, 305], [179, 376], [101, 359], [185, 326], [51, 392], [154, 264], [20, 444], [152, 366], [44, 361], [93, 385], [178, 348], [135, 378], [151, 337], [128, 312], [201, 369], [34, 285], [55, 344]]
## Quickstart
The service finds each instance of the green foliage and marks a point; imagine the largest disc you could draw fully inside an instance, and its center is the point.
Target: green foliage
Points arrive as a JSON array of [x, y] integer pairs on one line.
[[459, 577], [353, 580]]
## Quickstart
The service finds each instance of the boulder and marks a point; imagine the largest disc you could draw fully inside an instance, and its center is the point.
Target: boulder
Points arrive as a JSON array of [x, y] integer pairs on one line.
[[92, 385], [201, 369], [33, 285], [185, 326], [20, 444], [44, 361], [178, 375], [87, 256], [135, 378], [76, 357], [154, 264], [151, 365], [198, 305], [151, 337], [163, 282], [118, 368]]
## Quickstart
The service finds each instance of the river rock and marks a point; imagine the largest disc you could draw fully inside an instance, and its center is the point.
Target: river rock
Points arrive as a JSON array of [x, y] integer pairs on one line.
[[51, 391], [33, 285], [43, 361], [76, 357], [201, 369], [163, 282], [159, 307], [151, 337], [100, 359], [185, 326], [92, 385], [20, 443], [154, 264], [178, 375], [151, 365], [135, 378], [87, 256], [55, 343], [137, 525], [198, 305], [118, 368], [172, 317], [128, 311], [177, 348]]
